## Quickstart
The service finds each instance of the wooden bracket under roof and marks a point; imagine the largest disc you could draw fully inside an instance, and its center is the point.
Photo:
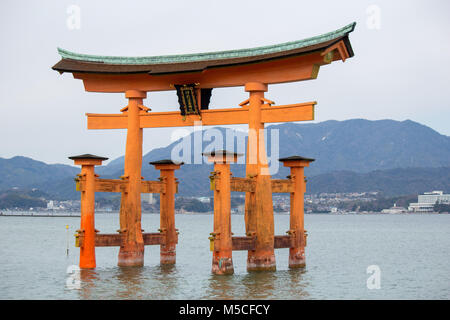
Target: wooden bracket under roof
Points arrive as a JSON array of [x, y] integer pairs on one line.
[[340, 47]]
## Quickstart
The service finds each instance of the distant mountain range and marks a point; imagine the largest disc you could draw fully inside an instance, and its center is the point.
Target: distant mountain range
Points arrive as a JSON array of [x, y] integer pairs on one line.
[[353, 155]]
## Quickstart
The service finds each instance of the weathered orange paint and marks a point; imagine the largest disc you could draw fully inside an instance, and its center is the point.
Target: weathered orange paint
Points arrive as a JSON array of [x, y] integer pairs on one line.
[[167, 213], [281, 186], [87, 226], [259, 219], [222, 261], [115, 240], [115, 185], [297, 225], [131, 253]]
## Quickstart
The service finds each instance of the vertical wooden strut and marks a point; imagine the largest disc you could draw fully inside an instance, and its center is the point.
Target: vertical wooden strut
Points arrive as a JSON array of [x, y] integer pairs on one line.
[[131, 253], [297, 224], [167, 210], [259, 219], [222, 262], [87, 227]]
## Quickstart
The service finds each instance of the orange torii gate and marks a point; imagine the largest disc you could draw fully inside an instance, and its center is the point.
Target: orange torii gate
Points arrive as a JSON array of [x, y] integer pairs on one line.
[[194, 76]]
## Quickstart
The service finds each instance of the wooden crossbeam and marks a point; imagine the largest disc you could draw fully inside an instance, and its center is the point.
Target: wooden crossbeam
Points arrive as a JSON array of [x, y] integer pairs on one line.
[[116, 185], [282, 186], [110, 185], [116, 239], [280, 242], [104, 185], [248, 185], [290, 241], [242, 185], [243, 243], [153, 187], [269, 114]]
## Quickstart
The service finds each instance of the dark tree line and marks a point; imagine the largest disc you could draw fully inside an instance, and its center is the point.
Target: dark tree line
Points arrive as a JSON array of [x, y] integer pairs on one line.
[[441, 207]]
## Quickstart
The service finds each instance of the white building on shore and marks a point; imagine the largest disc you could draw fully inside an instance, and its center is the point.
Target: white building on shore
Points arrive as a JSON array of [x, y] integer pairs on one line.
[[394, 209], [50, 205], [425, 202]]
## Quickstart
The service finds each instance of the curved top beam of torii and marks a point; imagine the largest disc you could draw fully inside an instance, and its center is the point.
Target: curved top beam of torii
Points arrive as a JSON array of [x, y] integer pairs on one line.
[[287, 62]]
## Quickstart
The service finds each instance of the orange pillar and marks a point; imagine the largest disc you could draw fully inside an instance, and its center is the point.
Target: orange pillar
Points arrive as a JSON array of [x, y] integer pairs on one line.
[[297, 223], [259, 219], [131, 253], [167, 210], [87, 227], [222, 262]]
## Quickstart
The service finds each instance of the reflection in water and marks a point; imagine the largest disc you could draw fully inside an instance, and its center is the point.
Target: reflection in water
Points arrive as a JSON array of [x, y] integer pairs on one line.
[[221, 287], [165, 279], [158, 282], [89, 279], [259, 285], [298, 284], [130, 281]]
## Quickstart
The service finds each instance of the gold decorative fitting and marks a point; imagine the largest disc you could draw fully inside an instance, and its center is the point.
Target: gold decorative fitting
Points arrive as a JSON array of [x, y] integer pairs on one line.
[[211, 243]]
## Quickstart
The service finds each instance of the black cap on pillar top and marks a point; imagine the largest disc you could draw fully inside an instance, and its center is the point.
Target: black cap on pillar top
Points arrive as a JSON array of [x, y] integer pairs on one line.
[[166, 161], [87, 156], [296, 158]]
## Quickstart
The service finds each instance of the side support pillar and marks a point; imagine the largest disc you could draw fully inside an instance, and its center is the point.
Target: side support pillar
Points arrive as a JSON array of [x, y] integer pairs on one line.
[[259, 219], [222, 261], [167, 210], [87, 226], [131, 253], [296, 219]]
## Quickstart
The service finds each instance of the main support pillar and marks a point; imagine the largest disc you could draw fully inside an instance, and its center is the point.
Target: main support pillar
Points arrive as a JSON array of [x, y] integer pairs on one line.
[[167, 210], [222, 262], [296, 221], [259, 219], [87, 227], [131, 253]]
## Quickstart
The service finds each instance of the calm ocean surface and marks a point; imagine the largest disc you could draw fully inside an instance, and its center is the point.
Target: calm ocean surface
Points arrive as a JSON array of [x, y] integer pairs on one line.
[[412, 252]]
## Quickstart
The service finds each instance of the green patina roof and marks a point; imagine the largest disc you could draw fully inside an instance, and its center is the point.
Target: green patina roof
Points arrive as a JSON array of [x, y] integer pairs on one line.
[[185, 58]]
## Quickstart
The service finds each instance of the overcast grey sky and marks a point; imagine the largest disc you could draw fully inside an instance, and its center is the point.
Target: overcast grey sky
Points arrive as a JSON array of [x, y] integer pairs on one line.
[[400, 71]]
